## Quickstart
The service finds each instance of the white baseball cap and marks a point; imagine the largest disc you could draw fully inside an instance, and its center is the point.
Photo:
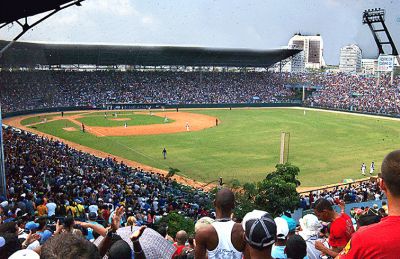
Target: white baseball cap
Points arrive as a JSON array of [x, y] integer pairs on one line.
[[310, 225], [282, 228], [24, 254]]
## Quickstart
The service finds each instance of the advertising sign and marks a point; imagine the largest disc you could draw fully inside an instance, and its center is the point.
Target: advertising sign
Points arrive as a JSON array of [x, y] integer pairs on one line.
[[385, 63]]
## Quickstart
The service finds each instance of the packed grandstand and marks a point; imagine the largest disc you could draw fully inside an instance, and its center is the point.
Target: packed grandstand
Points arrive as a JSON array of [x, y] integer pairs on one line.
[[30, 90]]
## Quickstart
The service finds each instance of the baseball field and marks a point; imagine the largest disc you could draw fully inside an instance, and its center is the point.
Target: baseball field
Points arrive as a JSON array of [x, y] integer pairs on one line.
[[327, 147]]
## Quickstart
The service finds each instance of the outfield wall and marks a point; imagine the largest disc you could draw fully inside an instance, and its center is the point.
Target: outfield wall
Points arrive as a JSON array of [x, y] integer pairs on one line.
[[133, 106], [48, 110], [350, 111], [125, 106], [130, 106]]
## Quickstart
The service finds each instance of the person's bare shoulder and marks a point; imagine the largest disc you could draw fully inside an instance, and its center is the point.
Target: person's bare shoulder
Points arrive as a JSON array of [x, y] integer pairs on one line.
[[206, 239], [207, 234], [238, 237]]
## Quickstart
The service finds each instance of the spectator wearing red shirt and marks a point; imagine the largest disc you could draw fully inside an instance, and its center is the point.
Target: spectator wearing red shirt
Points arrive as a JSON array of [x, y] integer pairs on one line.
[[181, 238], [105, 212], [381, 240], [341, 228]]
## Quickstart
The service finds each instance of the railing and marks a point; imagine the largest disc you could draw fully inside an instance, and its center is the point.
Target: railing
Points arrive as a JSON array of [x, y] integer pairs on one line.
[[146, 105], [336, 185]]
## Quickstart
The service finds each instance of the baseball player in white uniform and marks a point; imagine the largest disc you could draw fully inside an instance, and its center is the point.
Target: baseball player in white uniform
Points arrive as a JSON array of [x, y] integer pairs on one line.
[[372, 168]]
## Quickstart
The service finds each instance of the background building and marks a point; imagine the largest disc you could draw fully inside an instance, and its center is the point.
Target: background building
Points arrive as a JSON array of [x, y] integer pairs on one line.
[[297, 63], [369, 66], [350, 59], [312, 55]]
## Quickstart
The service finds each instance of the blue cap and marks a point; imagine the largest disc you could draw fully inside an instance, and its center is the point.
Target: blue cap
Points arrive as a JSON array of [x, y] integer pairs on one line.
[[291, 223], [31, 225], [45, 235]]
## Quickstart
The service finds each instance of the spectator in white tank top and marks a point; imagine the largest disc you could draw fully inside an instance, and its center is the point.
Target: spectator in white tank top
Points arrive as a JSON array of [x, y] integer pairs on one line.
[[224, 238]]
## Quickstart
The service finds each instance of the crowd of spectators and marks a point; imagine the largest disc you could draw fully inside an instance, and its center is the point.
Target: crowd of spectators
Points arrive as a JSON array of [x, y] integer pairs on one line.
[[27, 90], [351, 193], [356, 92], [24, 90], [63, 203], [48, 179]]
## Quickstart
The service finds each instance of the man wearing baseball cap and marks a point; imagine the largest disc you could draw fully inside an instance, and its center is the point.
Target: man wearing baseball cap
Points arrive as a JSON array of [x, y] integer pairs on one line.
[[282, 231], [259, 233]]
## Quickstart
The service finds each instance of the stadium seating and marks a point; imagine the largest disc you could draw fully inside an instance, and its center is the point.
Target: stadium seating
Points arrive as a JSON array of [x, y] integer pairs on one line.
[[24, 90]]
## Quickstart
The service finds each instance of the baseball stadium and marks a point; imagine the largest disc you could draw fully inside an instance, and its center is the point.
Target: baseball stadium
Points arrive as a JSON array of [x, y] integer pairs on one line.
[[106, 132], [232, 140]]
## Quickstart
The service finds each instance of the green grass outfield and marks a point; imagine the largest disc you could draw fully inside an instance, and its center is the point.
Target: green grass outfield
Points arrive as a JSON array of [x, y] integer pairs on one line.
[[39, 118], [328, 147], [36, 119], [133, 119]]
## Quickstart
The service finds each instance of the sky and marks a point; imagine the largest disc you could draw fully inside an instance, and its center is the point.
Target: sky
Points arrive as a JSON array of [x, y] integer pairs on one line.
[[251, 24]]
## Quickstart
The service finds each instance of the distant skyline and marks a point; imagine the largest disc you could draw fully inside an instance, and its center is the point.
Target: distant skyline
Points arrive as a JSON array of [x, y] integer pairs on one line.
[[251, 24]]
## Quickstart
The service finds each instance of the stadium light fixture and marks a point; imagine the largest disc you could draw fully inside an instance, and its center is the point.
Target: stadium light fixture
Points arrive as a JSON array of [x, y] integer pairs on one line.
[[373, 15], [376, 16]]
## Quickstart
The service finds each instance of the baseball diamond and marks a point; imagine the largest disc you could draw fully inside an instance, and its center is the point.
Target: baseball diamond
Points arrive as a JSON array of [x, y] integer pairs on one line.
[[326, 146]]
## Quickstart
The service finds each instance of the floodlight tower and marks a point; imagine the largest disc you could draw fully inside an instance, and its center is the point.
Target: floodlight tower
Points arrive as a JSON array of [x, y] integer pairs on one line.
[[377, 16], [373, 17]]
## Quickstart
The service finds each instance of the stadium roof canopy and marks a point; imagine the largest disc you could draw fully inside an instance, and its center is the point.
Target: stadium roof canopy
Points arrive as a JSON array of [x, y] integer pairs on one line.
[[12, 10], [30, 54]]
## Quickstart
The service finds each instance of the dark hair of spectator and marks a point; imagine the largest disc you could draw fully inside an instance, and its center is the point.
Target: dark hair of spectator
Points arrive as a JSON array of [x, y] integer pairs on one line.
[[11, 246], [69, 246], [42, 222], [322, 204], [296, 247], [9, 227], [225, 200], [68, 222], [391, 172]]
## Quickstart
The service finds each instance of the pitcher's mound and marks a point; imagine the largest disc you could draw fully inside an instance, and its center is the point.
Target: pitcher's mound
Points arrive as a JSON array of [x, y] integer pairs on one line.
[[70, 129], [121, 119]]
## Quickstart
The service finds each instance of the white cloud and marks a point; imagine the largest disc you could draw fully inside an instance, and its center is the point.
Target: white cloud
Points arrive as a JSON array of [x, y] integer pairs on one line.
[[147, 19], [115, 7], [70, 19]]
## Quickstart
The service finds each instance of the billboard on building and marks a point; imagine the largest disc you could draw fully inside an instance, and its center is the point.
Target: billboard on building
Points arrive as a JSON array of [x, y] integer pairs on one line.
[[385, 63]]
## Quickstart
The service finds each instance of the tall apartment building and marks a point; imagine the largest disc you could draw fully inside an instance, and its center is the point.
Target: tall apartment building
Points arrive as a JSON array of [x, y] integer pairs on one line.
[[350, 59], [312, 55]]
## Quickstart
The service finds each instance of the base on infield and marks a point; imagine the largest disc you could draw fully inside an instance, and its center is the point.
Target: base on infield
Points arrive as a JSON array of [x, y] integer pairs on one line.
[[70, 129], [120, 119]]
